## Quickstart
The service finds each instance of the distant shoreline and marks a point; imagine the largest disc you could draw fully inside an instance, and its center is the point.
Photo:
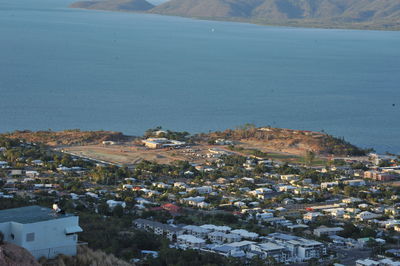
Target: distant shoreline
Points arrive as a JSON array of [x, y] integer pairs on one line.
[[291, 24]]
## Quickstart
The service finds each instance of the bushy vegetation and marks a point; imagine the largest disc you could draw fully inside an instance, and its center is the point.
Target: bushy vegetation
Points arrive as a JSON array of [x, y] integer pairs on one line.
[[168, 134], [352, 231], [115, 235], [176, 257], [339, 146], [176, 169]]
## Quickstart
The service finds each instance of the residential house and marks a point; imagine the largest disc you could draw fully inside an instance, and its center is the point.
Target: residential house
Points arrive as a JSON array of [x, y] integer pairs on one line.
[[169, 231], [366, 215], [113, 203], [327, 231]]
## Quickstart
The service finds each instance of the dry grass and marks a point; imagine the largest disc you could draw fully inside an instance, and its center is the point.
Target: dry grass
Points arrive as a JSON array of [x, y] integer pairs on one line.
[[13, 255], [86, 257], [133, 154], [67, 137]]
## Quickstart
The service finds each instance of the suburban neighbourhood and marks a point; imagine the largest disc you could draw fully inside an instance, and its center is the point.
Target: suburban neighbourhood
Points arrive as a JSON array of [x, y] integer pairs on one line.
[[234, 206]]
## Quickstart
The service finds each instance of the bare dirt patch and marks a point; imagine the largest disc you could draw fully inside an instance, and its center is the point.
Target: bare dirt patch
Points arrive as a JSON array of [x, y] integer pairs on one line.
[[130, 154]]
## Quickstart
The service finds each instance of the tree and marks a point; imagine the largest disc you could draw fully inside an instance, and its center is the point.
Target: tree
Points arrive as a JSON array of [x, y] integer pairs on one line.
[[257, 261], [118, 211], [103, 208], [309, 157], [350, 230]]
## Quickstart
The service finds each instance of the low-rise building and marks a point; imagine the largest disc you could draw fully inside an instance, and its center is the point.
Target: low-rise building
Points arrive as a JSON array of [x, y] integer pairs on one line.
[[42, 231], [196, 231], [326, 185], [379, 176], [245, 234], [364, 216], [279, 252], [114, 203], [311, 216], [191, 241], [355, 182], [327, 231], [301, 248], [220, 237], [169, 231]]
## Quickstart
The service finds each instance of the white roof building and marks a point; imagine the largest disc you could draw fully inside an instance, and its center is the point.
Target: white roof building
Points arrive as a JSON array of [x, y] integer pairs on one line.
[[113, 203], [245, 234], [191, 241], [363, 216], [216, 227], [320, 231]]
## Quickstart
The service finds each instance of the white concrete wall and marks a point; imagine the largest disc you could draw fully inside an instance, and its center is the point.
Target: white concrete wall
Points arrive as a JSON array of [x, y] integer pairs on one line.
[[49, 240], [5, 229], [16, 230], [51, 234]]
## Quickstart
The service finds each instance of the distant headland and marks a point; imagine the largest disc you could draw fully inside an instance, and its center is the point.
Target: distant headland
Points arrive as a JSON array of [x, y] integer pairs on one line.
[[351, 14]]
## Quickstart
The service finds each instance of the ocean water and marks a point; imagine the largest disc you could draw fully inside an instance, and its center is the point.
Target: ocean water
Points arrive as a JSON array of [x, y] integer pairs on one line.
[[64, 68]]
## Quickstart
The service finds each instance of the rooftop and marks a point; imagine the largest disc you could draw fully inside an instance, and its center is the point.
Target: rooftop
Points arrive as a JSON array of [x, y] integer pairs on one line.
[[30, 214], [269, 246], [191, 239]]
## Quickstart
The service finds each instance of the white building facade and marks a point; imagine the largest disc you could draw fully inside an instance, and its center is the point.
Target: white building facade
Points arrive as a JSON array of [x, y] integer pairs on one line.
[[41, 231]]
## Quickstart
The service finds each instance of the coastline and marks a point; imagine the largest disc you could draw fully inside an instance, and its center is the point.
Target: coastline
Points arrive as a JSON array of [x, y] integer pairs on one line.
[[289, 24]]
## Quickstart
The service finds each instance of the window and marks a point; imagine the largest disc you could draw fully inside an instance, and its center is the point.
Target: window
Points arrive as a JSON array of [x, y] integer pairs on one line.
[[30, 237]]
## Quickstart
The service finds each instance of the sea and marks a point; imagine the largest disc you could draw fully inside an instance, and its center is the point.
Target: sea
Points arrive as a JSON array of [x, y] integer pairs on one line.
[[64, 68]]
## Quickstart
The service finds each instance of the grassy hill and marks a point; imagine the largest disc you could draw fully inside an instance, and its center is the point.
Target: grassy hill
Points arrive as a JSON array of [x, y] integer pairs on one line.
[[366, 14], [287, 140]]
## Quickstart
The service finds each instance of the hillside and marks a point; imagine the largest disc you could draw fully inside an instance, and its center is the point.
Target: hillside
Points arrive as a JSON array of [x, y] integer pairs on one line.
[[12, 255], [115, 5], [323, 13], [287, 140], [66, 137], [365, 14]]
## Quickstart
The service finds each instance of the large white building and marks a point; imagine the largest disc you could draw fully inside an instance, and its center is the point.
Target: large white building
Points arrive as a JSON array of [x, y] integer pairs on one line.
[[301, 249], [41, 231]]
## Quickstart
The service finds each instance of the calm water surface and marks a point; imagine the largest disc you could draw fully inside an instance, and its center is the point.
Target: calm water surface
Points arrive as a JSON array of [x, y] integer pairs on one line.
[[65, 68]]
